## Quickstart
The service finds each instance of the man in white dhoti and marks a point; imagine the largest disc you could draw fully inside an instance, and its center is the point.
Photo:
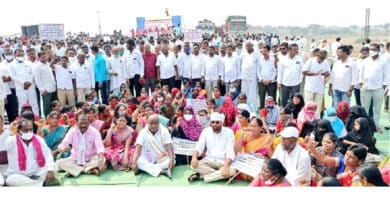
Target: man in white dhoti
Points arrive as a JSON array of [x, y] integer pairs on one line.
[[154, 152], [249, 72]]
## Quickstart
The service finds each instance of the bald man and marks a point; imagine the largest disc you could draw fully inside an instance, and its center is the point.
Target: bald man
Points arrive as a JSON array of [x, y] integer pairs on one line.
[[154, 152]]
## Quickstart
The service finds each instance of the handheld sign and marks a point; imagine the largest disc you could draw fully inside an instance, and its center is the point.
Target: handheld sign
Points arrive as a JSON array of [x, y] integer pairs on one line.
[[51, 32], [183, 147], [197, 104], [193, 35], [248, 164]]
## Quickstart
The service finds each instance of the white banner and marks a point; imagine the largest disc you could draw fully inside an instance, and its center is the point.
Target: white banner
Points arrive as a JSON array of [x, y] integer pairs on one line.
[[248, 164], [193, 35], [183, 147], [197, 104], [51, 32]]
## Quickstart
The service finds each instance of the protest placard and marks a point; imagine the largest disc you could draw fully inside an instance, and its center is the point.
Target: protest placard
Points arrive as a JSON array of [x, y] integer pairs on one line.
[[197, 104], [183, 147], [193, 35], [51, 32], [248, 164]]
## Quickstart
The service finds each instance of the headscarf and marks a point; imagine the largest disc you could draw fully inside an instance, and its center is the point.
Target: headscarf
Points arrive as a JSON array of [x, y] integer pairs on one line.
[[306, 115], [295, 109], [358, 112], [229, 111], [191, 128], [343, 114], [337, 124], [364, 135], [174, 92], [325, 127]]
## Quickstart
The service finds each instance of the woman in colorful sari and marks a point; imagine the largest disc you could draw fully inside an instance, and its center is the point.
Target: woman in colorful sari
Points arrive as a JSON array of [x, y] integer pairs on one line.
[[306, 119], [272, 174], [254, 141], [53, 133], [188, 128], [92, 118], [229, 110], [343, 110], [243, 122], [118, 143]]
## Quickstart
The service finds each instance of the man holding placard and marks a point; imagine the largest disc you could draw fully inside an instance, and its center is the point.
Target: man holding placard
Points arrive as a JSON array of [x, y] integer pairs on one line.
[[218, 142]]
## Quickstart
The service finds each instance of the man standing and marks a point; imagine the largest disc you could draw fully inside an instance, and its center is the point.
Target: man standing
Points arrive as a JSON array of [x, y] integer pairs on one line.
[[212, 72], [167, 69], [249, 72], [267, 75], [87, 149], [218, 142], [66, 81], [154, 152], [290, 74], [231, 67], [373, 80], [135, 67], [44, 78], [294, 158], [84, 76], [30, 162], [11, 102], [196, 65], [344, 77], [100, 71], [184, 64], [315, 70], [150, 71], [22, 75]]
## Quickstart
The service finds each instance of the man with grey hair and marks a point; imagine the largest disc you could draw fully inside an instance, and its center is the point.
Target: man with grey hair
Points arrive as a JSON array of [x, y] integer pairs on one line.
[[154, 152], [250, 67]]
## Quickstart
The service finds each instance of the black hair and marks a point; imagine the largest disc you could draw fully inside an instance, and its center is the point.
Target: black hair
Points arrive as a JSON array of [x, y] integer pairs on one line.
[[245, 113], [267, 47], [89, 109], [276, 167], [79, 104], [40, 54], [376, 46], [131, 42], [212, 101], [372, 174], [359, 151], [95, 49], [330, 181], [101, 108], [344, 48], [332, 136], [259, 122], [292, 45], [366, 49]]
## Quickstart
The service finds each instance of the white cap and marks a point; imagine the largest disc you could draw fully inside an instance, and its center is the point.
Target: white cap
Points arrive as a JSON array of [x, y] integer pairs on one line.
[[215, 116], [243, 106], [290, 132]]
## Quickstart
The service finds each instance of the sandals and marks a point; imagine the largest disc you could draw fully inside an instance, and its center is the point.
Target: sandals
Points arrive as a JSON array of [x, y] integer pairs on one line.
[[193, 177]]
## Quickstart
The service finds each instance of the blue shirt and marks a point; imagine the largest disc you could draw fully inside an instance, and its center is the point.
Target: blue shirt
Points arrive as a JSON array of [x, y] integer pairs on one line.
[[100, 68]]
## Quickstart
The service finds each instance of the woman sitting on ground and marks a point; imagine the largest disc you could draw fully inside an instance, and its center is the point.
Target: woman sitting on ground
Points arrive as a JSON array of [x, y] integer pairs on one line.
[[353, 159], [118, 143], [229, 110], [296, 104], [343, 110], [355, 113], [307, 118], [243, 121], [272, 174], [361, 134], [325, 160], [322, 127], [371, 176], [336, 123], [53, 133]]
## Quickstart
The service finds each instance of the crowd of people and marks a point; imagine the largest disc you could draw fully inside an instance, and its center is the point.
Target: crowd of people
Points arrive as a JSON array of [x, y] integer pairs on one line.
[[84, 106]]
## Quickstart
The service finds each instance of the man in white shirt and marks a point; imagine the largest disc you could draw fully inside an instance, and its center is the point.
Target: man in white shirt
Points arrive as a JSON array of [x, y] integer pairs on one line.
[[315, 70], [290, 74], [267, 76], [184, 63], [373, 80], [117, 70], [196, 63], [386, 59], [135, 67], [84, 77], [45, 81], [335, 45], [249, 72], [30, 162], [364, 52], [11, 104], [218, 142], [154, 152], [66, 81], [343, 78], [167, 69], [231, 67], [213, 69], [294, 158], [22, 75]]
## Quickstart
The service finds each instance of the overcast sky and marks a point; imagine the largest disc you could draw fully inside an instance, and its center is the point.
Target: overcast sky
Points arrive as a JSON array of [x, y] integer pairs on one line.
[[81, 15]]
